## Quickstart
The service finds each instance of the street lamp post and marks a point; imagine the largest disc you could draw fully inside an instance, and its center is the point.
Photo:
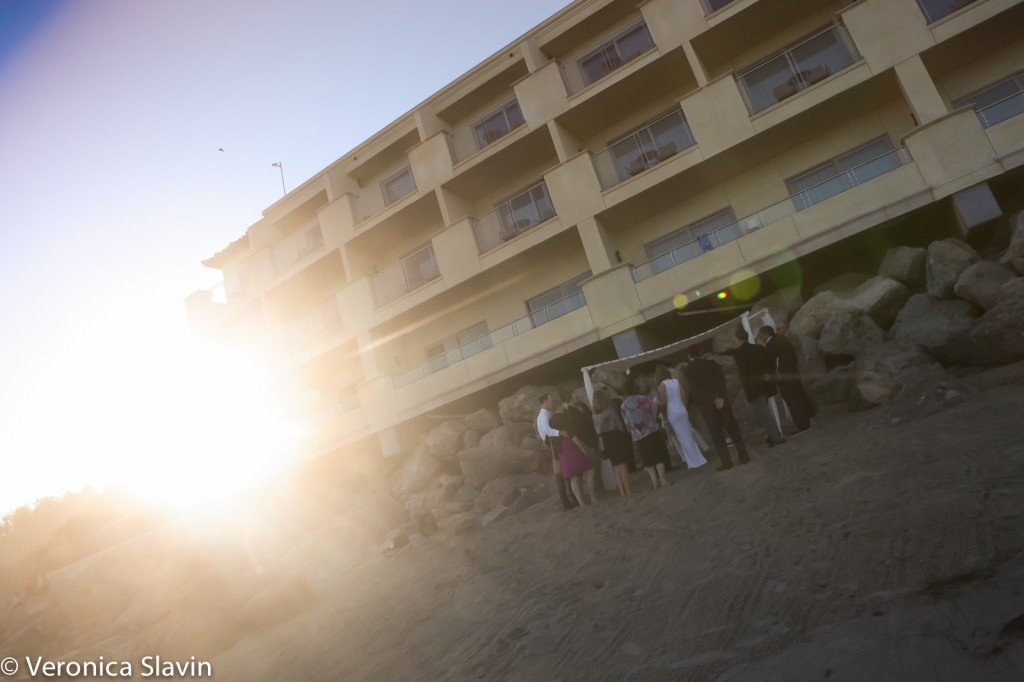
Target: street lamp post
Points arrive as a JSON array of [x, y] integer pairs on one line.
[[280, 167]]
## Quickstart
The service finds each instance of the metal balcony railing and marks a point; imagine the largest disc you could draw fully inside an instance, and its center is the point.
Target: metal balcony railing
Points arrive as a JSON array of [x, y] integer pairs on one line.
[[385, 192], [934, 10], [773, 212], [1004, 109], [799, 67], [323, 321], [517, 215], [409, 273], [643, 149], [487, 128], [298, 246], [492, 338], [599, 60]]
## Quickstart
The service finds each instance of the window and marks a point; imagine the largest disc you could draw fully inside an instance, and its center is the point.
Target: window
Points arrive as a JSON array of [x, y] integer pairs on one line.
[[649, 146], [458, 347], [613, 53], [498, 124], [998, 101], [715, 5], [397, 185], [557, 302], [934, 10], [692, 241], [842, 173]]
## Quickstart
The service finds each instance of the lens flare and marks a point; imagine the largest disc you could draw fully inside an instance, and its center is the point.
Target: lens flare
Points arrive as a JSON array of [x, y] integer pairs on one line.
[[680, 301], [744, 284]]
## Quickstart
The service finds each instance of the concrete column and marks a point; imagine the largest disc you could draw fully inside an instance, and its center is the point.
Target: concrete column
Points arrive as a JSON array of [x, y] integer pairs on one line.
[[566, 144], [532, 55], [696, 65], [919, 90], [598, 245]]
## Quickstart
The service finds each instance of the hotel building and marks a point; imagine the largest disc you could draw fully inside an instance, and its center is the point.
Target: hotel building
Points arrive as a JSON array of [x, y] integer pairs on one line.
[[556, 204]]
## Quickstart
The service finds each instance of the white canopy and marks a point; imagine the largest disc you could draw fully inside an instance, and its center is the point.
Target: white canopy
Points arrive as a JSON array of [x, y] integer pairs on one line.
[[751, 323]]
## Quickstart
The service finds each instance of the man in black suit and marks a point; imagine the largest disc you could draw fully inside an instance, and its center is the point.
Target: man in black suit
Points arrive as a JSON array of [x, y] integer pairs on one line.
[[783, 359], [707, 383], [754, 365]]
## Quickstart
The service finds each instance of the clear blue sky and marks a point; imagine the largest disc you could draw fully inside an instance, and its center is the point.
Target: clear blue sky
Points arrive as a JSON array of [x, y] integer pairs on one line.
[[112, 189]]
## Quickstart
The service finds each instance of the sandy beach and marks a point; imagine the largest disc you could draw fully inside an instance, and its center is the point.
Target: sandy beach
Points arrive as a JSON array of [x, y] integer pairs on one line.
[[878, 545]]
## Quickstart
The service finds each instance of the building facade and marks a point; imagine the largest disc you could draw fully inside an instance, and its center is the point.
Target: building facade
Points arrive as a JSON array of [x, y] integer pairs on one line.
[[617, 161]]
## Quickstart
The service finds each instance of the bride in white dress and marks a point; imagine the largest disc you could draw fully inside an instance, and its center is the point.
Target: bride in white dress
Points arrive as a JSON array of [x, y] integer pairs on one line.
[[671, 398]]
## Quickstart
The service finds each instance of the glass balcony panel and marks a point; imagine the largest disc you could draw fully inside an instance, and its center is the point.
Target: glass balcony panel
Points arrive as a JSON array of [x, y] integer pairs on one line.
[[934, 10], [410, 273], [296, 247], [398, 185], [643, 149], [801, 66], [598, 61], [515, 216], [1002, 110]]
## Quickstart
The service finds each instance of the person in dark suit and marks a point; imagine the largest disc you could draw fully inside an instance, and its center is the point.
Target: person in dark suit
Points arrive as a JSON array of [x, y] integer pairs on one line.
[[783, 359], [707, 385], [754, 365]]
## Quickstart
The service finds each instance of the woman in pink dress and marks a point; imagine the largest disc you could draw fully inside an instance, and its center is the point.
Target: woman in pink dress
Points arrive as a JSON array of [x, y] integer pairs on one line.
[[572, 458]]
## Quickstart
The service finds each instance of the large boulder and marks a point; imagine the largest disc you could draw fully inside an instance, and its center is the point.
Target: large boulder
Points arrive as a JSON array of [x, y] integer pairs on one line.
[[781, 305], [881, 373], [846, 334], [842, 284], [999, 334], [445, 440], [1016, 252], [905, 264], [470, 439], [980, 283], [878, 297], [947, 260], [809, 359], [941, 328], [417, 472], [834, 387], [482, 465], [483, 420], [523, 405], [507, 436]]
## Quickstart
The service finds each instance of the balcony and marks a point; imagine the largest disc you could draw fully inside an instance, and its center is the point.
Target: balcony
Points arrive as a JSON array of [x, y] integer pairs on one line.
[[320, 323], [643, 149], [612, 53], [502, 334], [934, 10], [410, 273], [384, 192], [296, 247], [712, 6], [826, 189], [799, 67], [512, 218], [490, 127]]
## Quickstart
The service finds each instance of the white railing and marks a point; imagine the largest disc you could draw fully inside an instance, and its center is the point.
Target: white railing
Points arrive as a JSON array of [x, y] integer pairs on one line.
[[1004, 109], [517, 215], [385, 192], [599, 60], [489, 127], [321, 322], [934, 10], [492, 338], [799, 67], [409, 273], [773, 212], [296, 247], [643, 149]]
